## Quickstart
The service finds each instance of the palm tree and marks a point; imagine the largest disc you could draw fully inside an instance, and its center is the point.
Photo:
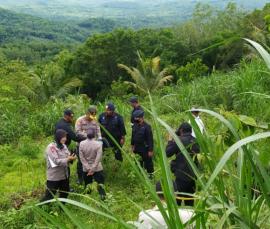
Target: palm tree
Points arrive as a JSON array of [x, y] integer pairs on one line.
[[53, 82], [148, 76], [14, 77]]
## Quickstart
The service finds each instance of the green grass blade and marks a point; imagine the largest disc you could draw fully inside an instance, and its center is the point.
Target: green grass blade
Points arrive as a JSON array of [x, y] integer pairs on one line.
[[230, 152], [88, 208], [264, 54]]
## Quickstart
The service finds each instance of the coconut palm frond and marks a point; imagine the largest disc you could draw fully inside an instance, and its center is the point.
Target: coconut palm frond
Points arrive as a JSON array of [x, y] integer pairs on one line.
[[147, 76], [164, 80], [72, 84], [155, 64], [135, 86], [134, 73]]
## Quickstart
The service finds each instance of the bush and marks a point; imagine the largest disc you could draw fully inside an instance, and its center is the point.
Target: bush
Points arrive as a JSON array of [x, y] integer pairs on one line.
[[191, 70], [13, 118], [120, 89], [17, 219], [27, 147]]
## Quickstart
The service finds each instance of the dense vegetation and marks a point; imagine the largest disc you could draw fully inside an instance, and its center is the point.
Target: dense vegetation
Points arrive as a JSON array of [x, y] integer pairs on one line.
[[212, 67], [35, 40]]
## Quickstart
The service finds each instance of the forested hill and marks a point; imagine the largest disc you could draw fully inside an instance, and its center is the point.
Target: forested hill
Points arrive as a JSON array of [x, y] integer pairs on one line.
[[27, 27], [34, 39]]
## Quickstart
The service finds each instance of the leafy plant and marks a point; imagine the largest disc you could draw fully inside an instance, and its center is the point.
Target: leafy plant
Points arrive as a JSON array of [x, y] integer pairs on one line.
[[148, 76], [191, 71]]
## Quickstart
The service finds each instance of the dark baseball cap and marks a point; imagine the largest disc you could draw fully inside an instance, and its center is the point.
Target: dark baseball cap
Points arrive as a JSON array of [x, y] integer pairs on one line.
[[110, 106], [133, 99], [185, 127], [68, 112], [138, 114]]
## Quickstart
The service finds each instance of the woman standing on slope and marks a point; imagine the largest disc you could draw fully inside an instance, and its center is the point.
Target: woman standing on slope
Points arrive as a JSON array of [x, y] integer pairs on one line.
[[58, 158]]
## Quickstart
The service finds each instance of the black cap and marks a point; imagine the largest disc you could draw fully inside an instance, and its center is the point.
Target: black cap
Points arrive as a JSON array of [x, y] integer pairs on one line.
[[138, 114], [110, 106], [68, 112], [133, 99], [185, 127]]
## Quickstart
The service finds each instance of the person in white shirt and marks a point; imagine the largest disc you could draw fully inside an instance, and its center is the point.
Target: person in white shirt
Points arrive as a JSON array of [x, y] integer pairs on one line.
[[153, 218], [195, 113]]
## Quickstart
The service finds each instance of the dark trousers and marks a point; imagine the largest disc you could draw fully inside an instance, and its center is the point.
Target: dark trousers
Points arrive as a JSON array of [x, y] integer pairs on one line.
[[117, 152], [146, 162], [98, 177], [56, 186], [79, 166], [187, 186]]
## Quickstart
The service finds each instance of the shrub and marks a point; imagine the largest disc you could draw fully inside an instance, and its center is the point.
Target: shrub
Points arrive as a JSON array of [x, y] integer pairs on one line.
[[27, 147], [191, 70]]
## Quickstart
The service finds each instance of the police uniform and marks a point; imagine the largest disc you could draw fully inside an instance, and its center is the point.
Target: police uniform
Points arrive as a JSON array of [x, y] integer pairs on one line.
[[185, 177], [66, 126], [114, 124], [142, 142], [91, 156], [57, 169], [82, 126]]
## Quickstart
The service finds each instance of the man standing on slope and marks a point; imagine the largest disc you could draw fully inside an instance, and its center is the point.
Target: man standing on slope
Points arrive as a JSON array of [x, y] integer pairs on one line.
[[134, 102], [185, 177], [90, 151], [82, 126], [142, 142], [65, 124], [114, 125]]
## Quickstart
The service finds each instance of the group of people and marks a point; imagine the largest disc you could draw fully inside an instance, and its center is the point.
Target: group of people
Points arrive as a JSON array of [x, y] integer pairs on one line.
[[94, 134]]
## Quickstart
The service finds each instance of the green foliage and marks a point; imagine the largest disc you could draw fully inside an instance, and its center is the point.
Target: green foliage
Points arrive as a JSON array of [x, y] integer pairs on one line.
[[28, 148], [24, 27], [192, 71], [120, 90], [13, 115], [54, 81], [14, 77], [96, 61], [13, 219], [148, 76]]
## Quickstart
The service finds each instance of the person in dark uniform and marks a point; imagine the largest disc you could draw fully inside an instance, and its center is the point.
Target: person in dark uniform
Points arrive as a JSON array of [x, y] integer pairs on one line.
[[134, 102], [185, 177], [65, 124], [114, 124], [142, 142]]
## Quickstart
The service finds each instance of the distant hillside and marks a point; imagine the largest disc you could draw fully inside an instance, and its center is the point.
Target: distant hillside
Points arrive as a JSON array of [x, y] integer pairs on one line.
[[35, 39], [26, 27], [163, 12]]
